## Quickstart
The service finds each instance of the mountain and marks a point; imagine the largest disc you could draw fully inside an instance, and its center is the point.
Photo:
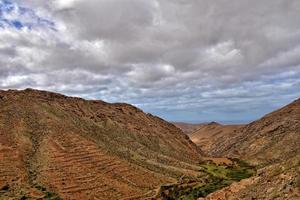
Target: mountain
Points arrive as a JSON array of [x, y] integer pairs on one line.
[[57, 147], [53, 146], [272, 143], [273, 138], [187, 127], [279, 181], [210, 134]]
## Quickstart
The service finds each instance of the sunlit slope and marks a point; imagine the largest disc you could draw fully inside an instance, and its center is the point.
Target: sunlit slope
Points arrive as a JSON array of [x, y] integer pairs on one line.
[[78, 149]]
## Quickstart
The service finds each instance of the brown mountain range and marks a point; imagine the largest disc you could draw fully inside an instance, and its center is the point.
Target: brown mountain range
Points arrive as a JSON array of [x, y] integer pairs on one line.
[[57, 147], [188, 127], [272, 143], [273, 138], [208, 135], [80, 149]]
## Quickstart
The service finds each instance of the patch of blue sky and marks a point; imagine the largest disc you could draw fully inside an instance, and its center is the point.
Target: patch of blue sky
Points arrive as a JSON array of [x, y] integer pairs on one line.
[[6, 6], [12, 15], [283, 77]]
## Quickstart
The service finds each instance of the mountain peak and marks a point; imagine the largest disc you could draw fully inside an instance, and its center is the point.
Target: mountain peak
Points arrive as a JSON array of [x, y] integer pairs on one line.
[[213, 123]]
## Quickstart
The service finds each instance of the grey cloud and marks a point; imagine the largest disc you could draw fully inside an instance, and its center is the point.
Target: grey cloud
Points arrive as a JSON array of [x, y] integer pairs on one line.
[[165, 56], [120, 20]]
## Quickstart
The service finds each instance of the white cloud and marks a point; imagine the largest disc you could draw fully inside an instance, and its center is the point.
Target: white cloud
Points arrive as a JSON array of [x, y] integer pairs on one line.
[[63, 4], [163, 55]]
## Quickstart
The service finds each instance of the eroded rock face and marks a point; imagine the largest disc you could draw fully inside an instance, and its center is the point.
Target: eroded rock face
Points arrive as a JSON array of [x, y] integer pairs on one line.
[[82, 149]]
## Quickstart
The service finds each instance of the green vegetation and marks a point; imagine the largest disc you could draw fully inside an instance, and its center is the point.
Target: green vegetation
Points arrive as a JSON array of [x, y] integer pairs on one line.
[[51, 196], [215, 178], [48, 195], [298, 181], [238, 171], [20, 193], [4, 188], [298, 173], [202, 190]]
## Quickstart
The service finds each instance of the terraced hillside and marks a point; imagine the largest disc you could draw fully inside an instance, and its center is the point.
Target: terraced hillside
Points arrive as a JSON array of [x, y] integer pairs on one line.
[[53, 146], [9, 157], [77, 168]]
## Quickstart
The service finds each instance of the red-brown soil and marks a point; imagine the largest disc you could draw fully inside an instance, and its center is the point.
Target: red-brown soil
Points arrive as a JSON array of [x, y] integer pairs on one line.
[[272, 143], [210, 134], [187, 127], [82, 149], [278, 181], [273, 138]]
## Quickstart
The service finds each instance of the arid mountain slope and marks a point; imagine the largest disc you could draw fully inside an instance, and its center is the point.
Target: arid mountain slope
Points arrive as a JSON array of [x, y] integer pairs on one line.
[[52, 145], [273, 143], [210, 134], [279, 181], [187, 127], [274, 138]]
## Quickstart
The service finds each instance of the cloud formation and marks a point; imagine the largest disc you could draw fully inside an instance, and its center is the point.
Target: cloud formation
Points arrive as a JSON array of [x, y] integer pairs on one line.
[[184, 60]]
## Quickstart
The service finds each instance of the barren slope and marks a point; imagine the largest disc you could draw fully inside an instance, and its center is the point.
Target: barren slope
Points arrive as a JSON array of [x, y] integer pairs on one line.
[[274, 138], [279, 181], [187, 127], [79, 149], [210, 134], [272, 142]]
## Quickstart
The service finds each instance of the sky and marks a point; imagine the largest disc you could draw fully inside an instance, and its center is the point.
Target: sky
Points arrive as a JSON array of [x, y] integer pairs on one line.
[[230, 61]]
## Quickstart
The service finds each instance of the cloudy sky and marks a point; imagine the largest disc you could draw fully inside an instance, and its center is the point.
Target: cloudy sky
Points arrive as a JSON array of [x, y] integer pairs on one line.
[[184, 60]]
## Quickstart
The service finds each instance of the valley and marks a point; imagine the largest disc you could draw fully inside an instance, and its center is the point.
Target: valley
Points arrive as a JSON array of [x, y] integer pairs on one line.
[[58, 147], [214, 177], [272, 144]]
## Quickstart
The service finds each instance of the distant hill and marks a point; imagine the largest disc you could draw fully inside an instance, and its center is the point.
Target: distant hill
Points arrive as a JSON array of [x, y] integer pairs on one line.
[[208, 135], [273, 138], [57, 147], [272, 143], [52, 145], [188, 127]]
